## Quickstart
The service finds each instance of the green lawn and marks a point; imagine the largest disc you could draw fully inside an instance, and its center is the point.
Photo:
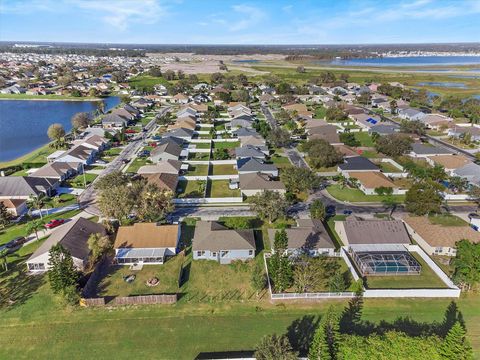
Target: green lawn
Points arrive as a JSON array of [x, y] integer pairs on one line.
[[64, 200], [197, 170], [20, 173], [355, 195], [146, 81], [217, 313], [330, 227], [320, 112], [137, 163], [38, 156], [226, 144], [15, 230], [219, 188], [447, 220], [114, 285], [223, 169], [199, 156], [280, 161], [371, 154], [80, 180], [113, 151], [364, 138], [426, 280], [388, 168], [190, 189], [201, 145]]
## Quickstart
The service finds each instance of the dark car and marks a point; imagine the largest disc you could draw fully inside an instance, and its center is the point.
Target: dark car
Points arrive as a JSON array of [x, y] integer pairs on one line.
[[54, 223], [16, 242], [144, 153], [347, 212], [330, 209]]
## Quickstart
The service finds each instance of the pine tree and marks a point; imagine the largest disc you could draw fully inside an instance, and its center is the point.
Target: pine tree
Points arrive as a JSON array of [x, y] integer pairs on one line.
[[456, 346], [62, 273], [275, 347], [5, 216], [281, 241], [325, 344]]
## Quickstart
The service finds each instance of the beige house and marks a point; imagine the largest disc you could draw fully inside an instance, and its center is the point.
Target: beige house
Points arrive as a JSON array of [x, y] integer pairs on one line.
[[371, 180], [437, 239], [254, 183]]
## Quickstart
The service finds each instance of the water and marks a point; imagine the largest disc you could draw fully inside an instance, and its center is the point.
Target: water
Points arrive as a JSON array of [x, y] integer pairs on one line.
[[446, 84], [246, 61], [410, 61], [24, 123]]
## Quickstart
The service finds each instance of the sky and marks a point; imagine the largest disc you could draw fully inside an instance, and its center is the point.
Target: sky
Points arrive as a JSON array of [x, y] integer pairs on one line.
[[240, 22]]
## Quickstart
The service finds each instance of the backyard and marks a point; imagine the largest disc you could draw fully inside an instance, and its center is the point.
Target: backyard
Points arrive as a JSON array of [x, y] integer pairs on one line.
[[219, 188], [364, 138], [427, 279], [197, 170], [223, 169], [137, 163], [226, 144], [356, 195], [191, 189], [198, 156], [113, 284]]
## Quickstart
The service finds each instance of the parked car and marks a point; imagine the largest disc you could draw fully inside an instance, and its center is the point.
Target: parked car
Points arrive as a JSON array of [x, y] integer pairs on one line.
[[144, 153], [347, 212], [54, 223], [330, 210], [130, 131], [125, 161], [12, 244], [101, 162]]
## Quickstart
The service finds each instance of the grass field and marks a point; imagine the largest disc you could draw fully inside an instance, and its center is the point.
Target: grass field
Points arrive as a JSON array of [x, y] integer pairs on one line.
[[355, 195], [388, 168], [36, 156], [80, 180], [280, 161], [202, 145], [217, 318], [20, 229], [146, 81], [114, 285], [223, 169], [190, 189], [199, 156], [137, 163], [226, 144], [364, 138], [219, 188], [426, 280], [197, 170], [447, 220]]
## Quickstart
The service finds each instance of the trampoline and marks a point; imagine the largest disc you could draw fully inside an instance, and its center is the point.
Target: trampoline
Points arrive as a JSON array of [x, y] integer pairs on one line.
[[386, 263]]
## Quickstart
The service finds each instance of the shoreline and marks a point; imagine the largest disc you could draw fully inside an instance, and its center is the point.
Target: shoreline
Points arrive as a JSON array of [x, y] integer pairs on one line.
[[38, 98], [22, 158]]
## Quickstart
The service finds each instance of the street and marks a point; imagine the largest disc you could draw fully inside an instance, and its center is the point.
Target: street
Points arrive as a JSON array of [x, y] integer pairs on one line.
[[88, 197]]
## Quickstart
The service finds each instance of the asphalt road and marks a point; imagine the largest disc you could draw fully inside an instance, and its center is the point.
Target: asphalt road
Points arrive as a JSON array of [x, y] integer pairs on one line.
[[295, 158], [88, 198], [268, 115], [210, 213]]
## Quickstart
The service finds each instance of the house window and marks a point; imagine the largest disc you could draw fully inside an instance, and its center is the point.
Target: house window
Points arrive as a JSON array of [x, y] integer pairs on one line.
[[438, 250], [223, 253], [40, 266], [250, 252], [214, 254], [200, 253]]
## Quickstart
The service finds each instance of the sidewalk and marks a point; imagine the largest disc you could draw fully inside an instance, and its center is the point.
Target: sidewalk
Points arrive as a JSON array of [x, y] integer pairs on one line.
[[51, 211]]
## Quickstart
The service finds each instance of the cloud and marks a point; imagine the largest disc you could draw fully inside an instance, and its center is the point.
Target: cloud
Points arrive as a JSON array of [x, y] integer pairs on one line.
[[28, 6], [287, 8], [121, 13], [250, 16]]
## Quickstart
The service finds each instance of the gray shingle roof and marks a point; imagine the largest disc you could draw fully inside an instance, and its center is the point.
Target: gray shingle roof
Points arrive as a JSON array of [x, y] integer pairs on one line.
[[422, 149], [210, 235], [356, 163], [25, 185], [253, 164], [360, 231]]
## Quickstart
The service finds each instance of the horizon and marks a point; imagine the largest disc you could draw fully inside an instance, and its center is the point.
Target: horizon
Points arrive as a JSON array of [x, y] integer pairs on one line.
[[273, 23]]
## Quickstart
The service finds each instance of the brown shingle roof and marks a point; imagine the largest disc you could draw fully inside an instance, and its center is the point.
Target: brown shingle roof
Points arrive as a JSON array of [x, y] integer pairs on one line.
[[439, 235], [450, 161], [147, 235], [164, 181], [372, 179], [259, 181]]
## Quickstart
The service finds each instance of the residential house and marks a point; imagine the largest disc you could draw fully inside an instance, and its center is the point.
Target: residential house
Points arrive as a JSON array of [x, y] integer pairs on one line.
[[187, 112], [168, 150], [357, 164], [410, 114], [366, 121], [242, 121], [380, 235], [462, 131], [248, 151], [180, 98], [257, 182], [80, 153], [166, 166], [58, 170], [420, 150], [146, 243], [181, 133], [308, 237], [436, 239], [124, 113], [254, 165], [185, 123], [142, 104], [449, 162], [383, 129], [213, 241], [132, 110], [470, 171], [73, 236], [370, 180], [164, 181], [436, 121], [114, 121]]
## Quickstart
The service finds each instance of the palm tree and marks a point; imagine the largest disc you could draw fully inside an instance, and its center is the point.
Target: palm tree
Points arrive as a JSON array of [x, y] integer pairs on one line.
[[3, 256], [36, 202], [343, 181], [393, 106], [34, 226]]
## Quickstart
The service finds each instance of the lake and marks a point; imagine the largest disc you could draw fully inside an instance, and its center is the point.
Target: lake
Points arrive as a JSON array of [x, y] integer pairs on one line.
[[410, 61], [443, 84], [24, 123]]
